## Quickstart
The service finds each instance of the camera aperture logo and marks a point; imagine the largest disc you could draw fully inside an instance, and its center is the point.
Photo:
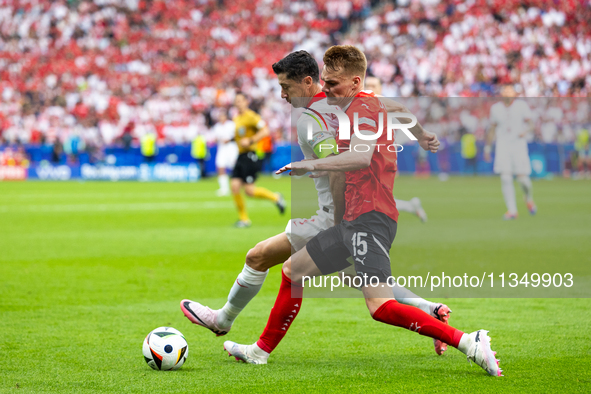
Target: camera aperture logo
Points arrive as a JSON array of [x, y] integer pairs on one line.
[[344, 129]]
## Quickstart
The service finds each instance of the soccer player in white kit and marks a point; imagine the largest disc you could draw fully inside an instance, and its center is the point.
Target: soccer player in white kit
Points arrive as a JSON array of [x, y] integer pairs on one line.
[[511, 120], [227, 152], [298, 76]]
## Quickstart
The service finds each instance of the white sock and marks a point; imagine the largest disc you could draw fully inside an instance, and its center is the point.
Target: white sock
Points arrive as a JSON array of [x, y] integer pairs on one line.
[[257, 351], [465, 342], [509, 192], [224, 182], [404, 206], [407, 297], [246, 286], [526, 185]]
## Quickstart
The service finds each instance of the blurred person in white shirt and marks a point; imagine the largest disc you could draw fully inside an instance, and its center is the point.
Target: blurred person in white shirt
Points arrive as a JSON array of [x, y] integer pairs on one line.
[[227, 152], [511, 120]]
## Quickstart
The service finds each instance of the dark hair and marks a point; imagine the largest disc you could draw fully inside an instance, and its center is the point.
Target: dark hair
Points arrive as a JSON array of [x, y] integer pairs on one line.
[[298, 65], [345, 58]]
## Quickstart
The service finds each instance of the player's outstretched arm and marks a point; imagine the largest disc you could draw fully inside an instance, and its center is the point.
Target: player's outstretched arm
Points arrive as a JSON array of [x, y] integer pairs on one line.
[[427, 141], [261, 133], [346, 161]]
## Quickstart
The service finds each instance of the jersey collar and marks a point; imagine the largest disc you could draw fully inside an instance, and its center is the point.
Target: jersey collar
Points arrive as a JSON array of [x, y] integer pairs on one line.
[[318, 97]]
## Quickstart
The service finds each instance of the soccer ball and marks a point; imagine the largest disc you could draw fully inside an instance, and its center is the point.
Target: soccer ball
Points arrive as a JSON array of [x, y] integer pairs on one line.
[[165, 349]]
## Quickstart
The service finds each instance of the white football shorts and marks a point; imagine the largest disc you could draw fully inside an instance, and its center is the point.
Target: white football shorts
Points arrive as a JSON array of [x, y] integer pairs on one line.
[[300, 231], [513, 159], [226, 155]]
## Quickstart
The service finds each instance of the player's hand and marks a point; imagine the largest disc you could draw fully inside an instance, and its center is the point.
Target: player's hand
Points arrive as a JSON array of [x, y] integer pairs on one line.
[[487, 157], [297, 168], [429, 142], [245, 142]]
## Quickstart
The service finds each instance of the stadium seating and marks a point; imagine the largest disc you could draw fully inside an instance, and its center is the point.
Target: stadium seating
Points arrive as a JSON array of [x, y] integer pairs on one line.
[[96, 70]]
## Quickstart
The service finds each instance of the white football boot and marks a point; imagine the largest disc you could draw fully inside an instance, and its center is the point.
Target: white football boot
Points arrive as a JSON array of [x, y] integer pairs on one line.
[[251, 354], [481, 353]]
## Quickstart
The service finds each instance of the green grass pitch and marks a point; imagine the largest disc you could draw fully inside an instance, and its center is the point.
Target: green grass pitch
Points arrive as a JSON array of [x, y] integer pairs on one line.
[[88, 269]]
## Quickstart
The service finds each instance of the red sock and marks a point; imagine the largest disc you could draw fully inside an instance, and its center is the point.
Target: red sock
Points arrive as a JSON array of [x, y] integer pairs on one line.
[[282, 315], [414, 319]]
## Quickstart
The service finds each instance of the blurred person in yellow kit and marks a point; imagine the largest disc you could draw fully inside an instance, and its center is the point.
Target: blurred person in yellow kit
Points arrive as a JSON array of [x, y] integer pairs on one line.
[[250, 129]]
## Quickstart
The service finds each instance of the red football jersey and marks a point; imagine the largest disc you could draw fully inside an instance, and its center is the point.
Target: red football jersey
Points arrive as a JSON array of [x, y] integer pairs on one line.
[[370, 189]]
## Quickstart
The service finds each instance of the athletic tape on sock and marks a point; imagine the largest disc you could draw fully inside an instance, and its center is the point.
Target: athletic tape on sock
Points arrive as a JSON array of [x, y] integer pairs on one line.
[[252, 276]]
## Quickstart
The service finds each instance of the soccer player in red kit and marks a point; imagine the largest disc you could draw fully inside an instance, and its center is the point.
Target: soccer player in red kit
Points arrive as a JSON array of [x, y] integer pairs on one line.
[[368, 227]]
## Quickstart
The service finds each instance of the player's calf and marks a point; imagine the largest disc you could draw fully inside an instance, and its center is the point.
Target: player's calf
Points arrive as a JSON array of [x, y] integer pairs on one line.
[[373, 304], [235, 185]]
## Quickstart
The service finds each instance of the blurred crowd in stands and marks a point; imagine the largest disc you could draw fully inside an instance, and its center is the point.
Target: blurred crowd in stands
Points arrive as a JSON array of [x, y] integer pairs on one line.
[[87, 74]]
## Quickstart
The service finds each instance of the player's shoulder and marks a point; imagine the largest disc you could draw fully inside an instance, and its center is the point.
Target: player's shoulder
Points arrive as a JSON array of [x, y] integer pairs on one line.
[[521, 103], [239, 117], [315, 120], [367, 93], [250, 114], [368, 99], [317, 111], [245, 116], [366, 104], [496, 107], [318, 105]]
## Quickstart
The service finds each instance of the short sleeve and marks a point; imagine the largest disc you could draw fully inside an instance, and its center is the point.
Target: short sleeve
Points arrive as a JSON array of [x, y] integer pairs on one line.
[[319, 129], [526, 110], [257, 121], [493, 115]]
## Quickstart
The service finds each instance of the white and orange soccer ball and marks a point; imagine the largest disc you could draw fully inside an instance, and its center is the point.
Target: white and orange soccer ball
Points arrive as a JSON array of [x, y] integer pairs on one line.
[[165, 349]]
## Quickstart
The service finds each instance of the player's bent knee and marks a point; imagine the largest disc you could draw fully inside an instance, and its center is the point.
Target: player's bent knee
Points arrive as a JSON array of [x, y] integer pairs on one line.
[[252, 258], [249, 190], [256, 259], [287, 268]]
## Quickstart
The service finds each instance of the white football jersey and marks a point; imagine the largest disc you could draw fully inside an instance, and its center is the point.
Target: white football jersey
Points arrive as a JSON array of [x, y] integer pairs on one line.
[[510, 121], [324, 126], [224, 131]]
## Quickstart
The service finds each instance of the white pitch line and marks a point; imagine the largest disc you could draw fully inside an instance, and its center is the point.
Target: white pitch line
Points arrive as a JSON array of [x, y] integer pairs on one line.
[[131, 207], [91, 195]]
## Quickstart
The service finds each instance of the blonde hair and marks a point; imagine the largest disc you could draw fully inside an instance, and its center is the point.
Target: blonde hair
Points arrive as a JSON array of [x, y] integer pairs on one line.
[[345, 58]]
